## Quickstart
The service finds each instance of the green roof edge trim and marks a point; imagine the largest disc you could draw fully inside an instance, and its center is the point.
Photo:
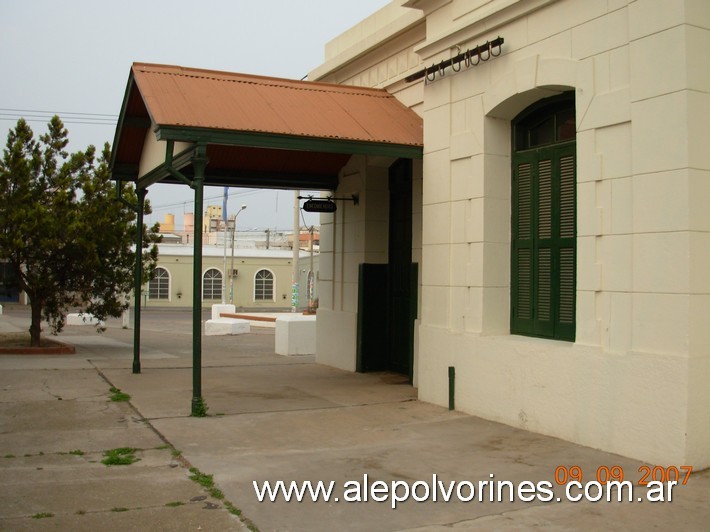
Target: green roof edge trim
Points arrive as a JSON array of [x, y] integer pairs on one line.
[[287, 142]]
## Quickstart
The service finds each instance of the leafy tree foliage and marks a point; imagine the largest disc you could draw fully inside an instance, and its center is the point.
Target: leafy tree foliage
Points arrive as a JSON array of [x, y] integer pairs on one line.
[[69, 240]]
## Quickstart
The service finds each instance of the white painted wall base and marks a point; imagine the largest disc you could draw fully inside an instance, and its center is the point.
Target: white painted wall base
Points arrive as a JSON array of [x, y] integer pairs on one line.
[[226, 326], [219, 308], [336, 339], [577, 393], [296, 335], [82, 319]]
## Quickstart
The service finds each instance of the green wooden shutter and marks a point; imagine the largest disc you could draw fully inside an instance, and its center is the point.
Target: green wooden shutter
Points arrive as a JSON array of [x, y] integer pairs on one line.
[[544, 247], [565, 328], [543, 260], [522, 249]]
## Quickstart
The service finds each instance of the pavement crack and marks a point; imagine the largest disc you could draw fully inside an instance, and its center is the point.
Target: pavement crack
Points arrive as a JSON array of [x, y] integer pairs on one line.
[[45, 388], [284, 410]]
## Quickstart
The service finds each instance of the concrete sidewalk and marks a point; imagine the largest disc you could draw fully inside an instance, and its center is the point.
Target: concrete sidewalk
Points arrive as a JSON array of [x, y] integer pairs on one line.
[[271, 418]]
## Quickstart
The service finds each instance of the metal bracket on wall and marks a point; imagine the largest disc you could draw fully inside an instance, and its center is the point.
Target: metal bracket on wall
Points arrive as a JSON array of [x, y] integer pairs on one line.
[[482, 52]]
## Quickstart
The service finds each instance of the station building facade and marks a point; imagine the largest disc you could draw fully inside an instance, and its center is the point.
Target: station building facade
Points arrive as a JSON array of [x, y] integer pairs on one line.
[[553, 244]]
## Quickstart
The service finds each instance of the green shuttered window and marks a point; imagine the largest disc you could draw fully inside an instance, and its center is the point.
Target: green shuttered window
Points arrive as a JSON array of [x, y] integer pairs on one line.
[[543, 258]]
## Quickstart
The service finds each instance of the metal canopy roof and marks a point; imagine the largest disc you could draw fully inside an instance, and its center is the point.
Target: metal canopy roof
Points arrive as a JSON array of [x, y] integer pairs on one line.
[[259, 131]]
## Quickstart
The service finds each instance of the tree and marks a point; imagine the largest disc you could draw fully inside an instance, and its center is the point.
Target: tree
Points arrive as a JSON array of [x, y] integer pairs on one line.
[[70, 242]]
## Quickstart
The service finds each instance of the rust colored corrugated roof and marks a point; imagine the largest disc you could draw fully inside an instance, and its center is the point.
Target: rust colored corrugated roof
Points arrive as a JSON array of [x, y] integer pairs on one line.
[[258, 131], [195, 98]]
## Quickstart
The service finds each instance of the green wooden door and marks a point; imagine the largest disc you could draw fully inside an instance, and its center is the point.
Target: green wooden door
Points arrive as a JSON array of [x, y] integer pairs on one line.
[[387, 294], [373, 337], [402, 295]]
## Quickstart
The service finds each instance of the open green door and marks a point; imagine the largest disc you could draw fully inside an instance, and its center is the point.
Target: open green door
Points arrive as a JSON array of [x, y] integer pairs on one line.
[[387, 293]]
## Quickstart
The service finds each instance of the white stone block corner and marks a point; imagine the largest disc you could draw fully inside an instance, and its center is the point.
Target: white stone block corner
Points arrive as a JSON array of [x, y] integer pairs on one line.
[[296, 335], [220, 308], [226, 326]]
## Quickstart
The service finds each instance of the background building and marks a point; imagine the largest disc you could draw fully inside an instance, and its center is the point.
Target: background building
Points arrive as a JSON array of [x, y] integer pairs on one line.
[[262, 278]]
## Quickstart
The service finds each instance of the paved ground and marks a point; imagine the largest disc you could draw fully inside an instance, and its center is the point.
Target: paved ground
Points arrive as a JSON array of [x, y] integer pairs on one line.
[[271, 418]]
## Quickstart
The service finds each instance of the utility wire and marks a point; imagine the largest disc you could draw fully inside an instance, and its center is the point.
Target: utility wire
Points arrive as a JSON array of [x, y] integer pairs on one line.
[[63, 121], [35, 115], [189, 202], [58, 113]]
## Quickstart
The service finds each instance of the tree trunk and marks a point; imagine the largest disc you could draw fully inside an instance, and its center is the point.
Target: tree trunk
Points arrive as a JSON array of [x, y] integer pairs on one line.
[[36, 324]]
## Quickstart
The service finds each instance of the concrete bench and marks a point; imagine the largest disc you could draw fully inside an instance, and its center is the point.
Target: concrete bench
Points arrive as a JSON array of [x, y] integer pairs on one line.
[[226, 326], [296, 335]]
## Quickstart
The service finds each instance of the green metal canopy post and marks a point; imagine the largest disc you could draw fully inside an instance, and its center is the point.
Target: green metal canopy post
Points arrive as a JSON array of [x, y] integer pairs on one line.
[[138, 282], [199, 162]]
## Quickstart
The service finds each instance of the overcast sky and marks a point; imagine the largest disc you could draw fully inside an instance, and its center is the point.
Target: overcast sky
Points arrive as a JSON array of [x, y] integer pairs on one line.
[[72, 58]]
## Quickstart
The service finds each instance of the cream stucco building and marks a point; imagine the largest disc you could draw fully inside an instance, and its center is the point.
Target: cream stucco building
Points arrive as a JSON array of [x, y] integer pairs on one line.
[[522, 190], [560, 227], [262, 278]]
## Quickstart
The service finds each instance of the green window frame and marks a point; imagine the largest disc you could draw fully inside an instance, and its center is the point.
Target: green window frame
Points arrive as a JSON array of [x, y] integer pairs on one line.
[[544, 221]]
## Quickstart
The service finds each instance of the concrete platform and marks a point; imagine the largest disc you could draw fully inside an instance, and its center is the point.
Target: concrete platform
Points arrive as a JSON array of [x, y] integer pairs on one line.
[[57, 425], [271, 418], [226, 326]]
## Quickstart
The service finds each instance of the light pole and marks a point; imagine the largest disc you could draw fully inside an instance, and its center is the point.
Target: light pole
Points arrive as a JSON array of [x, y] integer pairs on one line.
[[296, 250], [225, 224], [231, 268]]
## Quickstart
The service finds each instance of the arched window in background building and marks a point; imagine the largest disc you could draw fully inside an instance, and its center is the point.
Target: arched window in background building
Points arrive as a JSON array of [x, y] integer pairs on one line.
[[212, 284], [159, 286], [264, 286]]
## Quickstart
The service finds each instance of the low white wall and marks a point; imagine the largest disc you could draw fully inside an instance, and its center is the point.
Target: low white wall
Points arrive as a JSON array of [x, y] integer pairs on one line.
[[76, 318], [226, 327]]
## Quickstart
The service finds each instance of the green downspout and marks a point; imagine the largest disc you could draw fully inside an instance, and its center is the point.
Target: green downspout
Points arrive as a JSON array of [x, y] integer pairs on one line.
[[452, 388], [199, 162], [138, 282]]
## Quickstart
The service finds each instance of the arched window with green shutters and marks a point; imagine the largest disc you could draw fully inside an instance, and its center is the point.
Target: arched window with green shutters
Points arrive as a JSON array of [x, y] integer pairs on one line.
[[544, 220]]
